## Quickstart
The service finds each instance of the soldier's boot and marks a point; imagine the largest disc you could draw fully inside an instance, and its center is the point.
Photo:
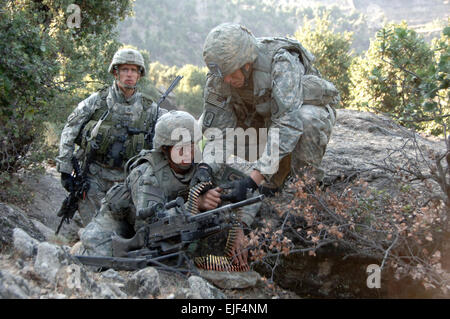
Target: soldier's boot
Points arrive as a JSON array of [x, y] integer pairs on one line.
[[276, 182]]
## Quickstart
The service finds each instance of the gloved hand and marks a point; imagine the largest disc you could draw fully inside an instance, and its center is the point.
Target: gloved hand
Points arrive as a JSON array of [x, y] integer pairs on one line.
[[67, 181], [238, 189], [203, 173]]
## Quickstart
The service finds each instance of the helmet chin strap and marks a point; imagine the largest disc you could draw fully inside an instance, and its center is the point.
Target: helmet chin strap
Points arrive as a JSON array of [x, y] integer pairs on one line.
[[246, 73]]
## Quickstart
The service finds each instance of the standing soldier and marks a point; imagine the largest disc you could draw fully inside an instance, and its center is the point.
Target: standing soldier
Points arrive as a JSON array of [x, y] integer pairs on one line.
[[267, 83], [110, 127]]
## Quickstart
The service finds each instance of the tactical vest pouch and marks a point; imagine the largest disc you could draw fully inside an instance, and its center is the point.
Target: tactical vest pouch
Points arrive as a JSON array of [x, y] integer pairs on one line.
[[86, 135], [103, 139], [317, 91], [134, 145], [115, 145]]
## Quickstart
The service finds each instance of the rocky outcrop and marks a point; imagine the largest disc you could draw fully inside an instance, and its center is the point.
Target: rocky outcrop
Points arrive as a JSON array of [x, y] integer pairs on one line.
[[47, 197], [43, 270], [12, 217], [361, 142]]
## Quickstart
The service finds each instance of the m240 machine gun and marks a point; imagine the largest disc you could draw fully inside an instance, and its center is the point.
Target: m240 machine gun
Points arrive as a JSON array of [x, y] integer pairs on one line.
[[167, 237]]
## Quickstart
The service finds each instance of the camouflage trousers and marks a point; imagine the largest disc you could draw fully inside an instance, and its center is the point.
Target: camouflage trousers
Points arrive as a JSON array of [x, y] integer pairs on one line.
[[100, 181], [310, 139], [318, 122], [112, 218]]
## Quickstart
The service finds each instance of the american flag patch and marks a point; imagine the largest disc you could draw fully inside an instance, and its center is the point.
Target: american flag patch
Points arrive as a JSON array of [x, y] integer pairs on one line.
[[215, 99]]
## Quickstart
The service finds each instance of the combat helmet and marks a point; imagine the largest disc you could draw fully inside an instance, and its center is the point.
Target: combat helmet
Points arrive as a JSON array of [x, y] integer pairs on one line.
[[228, 47], [127, 56], [179, 125]]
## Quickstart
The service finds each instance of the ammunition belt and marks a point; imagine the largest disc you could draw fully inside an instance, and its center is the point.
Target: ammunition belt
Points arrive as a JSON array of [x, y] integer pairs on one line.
[[194, 194], [212, 262], [219, 263]]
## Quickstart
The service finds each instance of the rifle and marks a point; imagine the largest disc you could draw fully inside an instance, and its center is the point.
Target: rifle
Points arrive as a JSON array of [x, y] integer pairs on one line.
[[79, 191], [149, 136], [167, 237]]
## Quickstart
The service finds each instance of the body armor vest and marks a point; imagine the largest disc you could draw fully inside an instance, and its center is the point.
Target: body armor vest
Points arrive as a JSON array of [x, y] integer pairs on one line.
[[167, 182], [262, 80], [122, 132]]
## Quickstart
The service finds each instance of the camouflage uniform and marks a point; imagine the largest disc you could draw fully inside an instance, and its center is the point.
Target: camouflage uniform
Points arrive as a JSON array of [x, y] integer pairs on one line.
[[149, 180], [284, 91], [113, 137]]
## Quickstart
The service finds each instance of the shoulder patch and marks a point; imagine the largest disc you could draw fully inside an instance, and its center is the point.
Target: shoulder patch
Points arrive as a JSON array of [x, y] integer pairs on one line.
[[208, 119]]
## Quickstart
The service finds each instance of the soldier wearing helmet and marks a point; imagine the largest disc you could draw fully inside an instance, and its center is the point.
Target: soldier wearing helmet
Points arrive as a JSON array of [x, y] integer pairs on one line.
[[266, 83], [153, 177], [110, 127]]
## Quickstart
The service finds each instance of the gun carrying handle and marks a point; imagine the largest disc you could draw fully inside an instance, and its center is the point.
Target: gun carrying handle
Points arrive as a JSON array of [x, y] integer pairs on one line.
[[149, 211], [178, 202]]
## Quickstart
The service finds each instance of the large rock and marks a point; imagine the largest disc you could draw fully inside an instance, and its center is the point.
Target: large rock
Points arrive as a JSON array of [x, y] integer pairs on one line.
[[110, 291], [14, 287], [12, 217], [47, 232], [231, 280], [361, 142], [24, 243], [204, 289], [74, 279], [144, 284], [50, 258]]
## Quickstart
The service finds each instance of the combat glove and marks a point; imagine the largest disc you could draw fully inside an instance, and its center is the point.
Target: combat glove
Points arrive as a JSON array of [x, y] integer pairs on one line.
[[238, 189]]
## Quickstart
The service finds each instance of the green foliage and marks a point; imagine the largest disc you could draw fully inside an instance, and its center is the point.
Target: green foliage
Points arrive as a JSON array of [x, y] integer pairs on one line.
[[342, 22], [331, 49], [26, 85], [400, 75], [189, 92], [46, 68], [174, 31]]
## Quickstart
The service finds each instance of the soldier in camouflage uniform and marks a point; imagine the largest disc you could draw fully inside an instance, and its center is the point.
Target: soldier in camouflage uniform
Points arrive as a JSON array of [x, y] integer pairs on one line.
[[156, 177], [153, 177], [110, 126], [266, 83]]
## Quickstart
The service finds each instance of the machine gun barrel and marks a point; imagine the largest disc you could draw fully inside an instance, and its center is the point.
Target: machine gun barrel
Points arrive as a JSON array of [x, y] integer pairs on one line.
[[226, 208]]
